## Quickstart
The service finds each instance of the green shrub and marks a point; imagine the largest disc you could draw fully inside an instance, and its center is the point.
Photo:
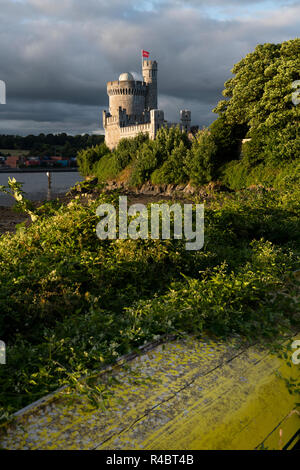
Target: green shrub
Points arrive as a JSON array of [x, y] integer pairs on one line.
[[201, 159], [128, 149], [173, 169], [168, 139], [88, 157], [107, 168], [239, 174], [144, 163]]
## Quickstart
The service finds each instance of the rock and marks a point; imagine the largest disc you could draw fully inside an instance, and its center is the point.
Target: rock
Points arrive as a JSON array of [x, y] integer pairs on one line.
[[180, 187], [189, 189]]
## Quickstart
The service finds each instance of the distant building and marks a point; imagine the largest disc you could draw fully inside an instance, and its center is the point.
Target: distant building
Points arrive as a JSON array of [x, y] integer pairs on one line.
[[133, 107], [12, 161]]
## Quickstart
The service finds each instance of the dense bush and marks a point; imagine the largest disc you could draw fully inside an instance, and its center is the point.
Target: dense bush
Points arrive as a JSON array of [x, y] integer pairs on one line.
[[144, 163], [272, 146], [201, 161], [86, 158], [237, 175], [157, 160], [173, 170]]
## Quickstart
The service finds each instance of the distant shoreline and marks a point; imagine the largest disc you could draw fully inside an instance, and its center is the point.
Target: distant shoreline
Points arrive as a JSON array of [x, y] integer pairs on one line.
[[37, 170]]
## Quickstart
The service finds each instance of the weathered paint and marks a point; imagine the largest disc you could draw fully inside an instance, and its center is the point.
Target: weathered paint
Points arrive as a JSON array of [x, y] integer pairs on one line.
[[187, 394]]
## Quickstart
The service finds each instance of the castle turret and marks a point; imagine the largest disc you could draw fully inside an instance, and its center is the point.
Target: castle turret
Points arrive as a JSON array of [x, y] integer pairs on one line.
[[150, 78], [127, 93], [157, 121], [185, 118]]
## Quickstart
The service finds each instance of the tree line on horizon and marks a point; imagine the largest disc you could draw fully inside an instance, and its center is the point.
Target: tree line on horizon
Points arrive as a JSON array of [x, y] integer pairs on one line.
[[49, 144]]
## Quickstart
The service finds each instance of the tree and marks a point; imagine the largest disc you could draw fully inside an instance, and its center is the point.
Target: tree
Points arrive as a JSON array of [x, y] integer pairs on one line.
[[201, 161], [259, 96]]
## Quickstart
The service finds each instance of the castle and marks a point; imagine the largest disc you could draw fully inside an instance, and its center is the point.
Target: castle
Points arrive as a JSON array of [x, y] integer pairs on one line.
[[133, 107]]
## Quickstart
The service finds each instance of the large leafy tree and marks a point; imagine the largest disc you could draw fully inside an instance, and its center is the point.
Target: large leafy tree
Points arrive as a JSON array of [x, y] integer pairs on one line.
[[259, 96]]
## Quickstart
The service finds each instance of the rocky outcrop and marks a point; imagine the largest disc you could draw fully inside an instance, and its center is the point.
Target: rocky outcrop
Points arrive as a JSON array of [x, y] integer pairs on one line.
[[150, 189]]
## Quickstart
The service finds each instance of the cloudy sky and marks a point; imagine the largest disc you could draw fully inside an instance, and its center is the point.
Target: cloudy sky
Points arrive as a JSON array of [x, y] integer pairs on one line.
[[57, 55]]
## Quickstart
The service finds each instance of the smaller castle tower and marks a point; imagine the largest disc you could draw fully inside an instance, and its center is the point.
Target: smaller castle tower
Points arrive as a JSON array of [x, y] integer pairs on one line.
[[185, 118], [150, 78]]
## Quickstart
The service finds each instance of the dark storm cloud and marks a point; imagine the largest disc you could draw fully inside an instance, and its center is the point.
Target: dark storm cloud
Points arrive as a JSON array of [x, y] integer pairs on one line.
[[57, 55]]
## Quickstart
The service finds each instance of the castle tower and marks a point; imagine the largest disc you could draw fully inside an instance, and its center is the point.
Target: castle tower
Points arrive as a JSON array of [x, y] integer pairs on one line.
[[127, 93], [133, 107], [185, 118], [150, 78]]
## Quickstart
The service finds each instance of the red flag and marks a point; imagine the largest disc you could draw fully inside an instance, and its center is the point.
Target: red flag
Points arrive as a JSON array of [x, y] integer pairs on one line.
[[145, 53]]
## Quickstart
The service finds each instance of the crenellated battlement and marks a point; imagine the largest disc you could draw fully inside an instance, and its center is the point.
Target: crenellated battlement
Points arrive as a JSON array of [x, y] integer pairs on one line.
[[127, 90], [135, 129], [149, 63]]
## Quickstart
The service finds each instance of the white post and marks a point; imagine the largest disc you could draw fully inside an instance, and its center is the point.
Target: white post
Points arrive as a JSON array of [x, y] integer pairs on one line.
[[49, 179]]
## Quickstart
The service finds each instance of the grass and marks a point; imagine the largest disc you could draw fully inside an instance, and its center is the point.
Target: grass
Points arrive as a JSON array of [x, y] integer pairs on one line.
[[71, 303]]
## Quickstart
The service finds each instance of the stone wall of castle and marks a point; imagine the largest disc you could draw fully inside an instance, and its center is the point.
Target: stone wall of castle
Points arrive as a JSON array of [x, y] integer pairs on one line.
[[114, 131]]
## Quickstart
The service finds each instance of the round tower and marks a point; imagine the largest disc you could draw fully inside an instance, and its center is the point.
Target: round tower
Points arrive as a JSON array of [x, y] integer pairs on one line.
[[127, 94], [150, 78]]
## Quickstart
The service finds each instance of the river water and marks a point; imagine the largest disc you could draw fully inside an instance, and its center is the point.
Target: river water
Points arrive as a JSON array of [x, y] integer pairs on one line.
[[36, 184]]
